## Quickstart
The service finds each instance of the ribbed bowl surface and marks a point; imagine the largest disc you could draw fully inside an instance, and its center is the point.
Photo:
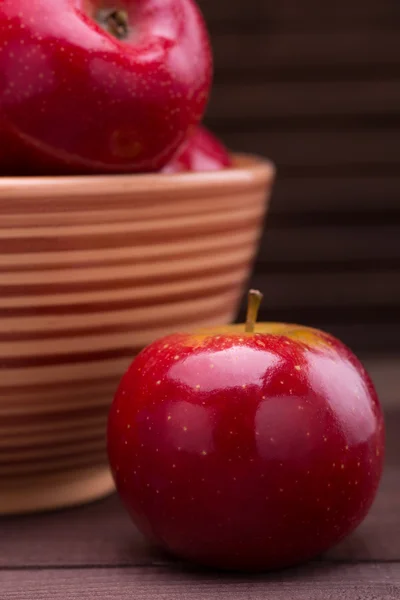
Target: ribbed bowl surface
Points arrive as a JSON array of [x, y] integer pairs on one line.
[[91, 270]]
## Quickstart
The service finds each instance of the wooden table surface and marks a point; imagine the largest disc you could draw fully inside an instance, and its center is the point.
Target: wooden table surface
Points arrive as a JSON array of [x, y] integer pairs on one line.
[[94, 552]]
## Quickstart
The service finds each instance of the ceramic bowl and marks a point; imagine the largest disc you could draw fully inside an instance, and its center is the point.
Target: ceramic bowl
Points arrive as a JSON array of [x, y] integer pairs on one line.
[[92, 269]]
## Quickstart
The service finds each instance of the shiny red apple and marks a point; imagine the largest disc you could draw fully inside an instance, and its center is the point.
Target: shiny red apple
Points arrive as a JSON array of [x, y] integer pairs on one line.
[[99, 86], [247, 449], [202, 152]]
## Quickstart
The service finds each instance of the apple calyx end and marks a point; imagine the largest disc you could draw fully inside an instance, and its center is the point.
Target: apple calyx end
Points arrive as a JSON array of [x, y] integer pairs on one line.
[[253, 305]]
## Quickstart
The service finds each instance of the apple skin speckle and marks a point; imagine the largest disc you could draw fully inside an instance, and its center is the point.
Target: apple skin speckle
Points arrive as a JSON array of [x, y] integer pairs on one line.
[[77, 100], [267, 477]]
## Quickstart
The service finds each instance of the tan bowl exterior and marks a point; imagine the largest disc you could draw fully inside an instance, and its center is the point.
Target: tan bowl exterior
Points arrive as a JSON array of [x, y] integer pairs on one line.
[[91, 270]]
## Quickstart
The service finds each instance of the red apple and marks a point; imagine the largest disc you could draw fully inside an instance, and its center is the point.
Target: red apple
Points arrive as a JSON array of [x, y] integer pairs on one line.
[[201, 152], [247, 450], [99, 86]]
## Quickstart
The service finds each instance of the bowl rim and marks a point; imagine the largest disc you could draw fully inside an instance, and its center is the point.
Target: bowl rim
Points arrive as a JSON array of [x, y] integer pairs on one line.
[[248, 169]]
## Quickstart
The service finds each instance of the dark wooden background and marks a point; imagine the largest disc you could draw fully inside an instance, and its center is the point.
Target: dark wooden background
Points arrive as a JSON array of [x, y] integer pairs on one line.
[[315, 86]]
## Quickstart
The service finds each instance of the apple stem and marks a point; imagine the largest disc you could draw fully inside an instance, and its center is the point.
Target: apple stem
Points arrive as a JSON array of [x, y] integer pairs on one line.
[[115, 22], [253, 305]]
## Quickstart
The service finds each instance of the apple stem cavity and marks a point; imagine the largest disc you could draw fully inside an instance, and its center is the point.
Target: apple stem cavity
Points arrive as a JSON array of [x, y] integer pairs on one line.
[[253, 306], [116, 22]]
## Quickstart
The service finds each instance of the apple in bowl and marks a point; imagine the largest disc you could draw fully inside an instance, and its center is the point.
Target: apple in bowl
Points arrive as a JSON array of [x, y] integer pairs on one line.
[[90, 86], [202, 152], [246, 447]]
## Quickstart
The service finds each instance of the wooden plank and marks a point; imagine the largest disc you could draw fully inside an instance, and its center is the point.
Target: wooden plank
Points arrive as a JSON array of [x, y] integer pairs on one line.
[[312, 582], [287, 12], [294, 195], [101, 534], [279, 100], [306, 147], [255, 50], [328, 244], [96, 534], [317, 290]]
